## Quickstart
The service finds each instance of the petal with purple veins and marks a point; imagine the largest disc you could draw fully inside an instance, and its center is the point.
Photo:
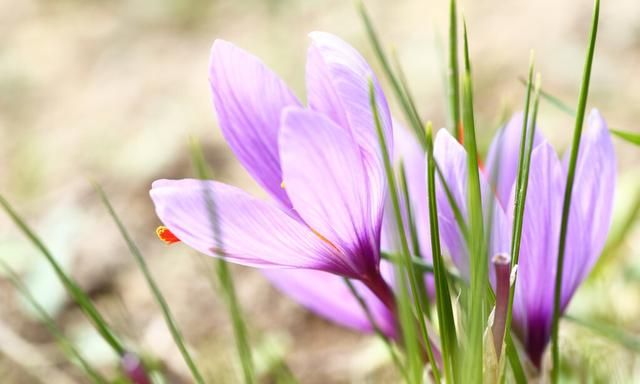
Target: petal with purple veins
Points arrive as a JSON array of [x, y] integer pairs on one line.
[[591, 203], [452, 160], [338, 86], [330, 188], [533, 305], [248, 231], [249, 99]]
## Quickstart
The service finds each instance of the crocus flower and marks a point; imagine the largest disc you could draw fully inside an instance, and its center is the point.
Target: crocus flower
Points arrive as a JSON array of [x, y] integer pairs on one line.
[[589, 220], [322, 168]]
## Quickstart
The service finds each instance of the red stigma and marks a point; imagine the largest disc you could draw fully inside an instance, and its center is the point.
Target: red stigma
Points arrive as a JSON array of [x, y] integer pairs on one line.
[[460, 132], [166, 235]]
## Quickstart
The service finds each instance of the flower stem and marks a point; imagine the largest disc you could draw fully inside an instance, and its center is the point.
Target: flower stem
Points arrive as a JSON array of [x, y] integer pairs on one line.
[[381, 289]]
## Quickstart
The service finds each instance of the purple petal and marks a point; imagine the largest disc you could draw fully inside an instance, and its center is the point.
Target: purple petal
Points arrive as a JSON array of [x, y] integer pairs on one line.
[[250, 231], [249, 99], [452, 159], [591, 203], [539, 248], [338, 86], [328, 296], [330, 189], [503, 157]]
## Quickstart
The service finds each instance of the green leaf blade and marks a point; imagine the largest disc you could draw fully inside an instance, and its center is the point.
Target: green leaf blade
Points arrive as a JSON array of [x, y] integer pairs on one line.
[[577, 133]]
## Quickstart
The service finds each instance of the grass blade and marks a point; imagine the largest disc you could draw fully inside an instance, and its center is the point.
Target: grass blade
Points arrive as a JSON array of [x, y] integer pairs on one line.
[[477, 314], [406, 91], [81, 298], [409, 111], [224, 274], [401, 91], [443, 298], [65, 344], [555, 101], [164, 307], [612, 333], [239, 326], [422, 266], [453, 73], [413, 232], [575, 147], [522, 183], [631, 137], [411, 223], [393, 191], [514, 360]]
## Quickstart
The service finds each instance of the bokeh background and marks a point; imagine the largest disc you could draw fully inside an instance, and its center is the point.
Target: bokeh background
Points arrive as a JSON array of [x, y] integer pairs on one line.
[[113, 91]]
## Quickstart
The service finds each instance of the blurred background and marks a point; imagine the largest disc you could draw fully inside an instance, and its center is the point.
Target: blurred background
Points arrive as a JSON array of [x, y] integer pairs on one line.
[[112, 91]]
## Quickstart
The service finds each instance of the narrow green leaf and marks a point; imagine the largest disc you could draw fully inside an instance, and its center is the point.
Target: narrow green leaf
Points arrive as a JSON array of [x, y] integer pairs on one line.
[[419, 132], [81, 298], [157, 294], [477, 315], [393, 191], [422, 267], [224, 274], [413, 232], [237, 319], [610, 332], [406, 91], [522, 183], [453, 73], [404, 188], [553, 100], [514, 360], [577, 133], [631, 137], [410, 337], [443, 297], [396, 86], [74, 355], [402, 93]]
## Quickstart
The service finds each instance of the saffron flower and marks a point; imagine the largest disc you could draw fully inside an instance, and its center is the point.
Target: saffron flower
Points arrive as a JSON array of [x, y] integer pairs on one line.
[[322, 168], [589, 220]]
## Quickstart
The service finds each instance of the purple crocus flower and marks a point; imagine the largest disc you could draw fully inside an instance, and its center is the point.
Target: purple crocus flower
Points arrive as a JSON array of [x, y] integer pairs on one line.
[[326, 294], [590, 216], [322, 168]]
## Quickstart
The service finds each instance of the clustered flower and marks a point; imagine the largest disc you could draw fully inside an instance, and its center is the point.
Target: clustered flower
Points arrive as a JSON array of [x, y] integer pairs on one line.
[[327, 215]]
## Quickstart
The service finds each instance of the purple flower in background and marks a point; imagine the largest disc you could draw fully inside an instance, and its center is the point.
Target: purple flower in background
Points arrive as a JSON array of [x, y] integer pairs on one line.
[[321, 166], [411, 157], [589, 220]]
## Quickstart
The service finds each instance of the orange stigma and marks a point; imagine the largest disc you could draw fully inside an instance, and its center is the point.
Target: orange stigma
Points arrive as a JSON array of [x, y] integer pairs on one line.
[[166, 235], [460, 138]]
